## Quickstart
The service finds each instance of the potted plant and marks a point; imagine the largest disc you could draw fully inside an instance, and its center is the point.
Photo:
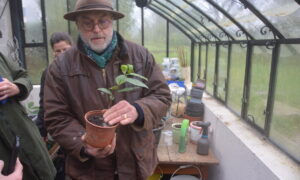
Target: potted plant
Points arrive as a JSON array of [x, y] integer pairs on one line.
[[98, 133]]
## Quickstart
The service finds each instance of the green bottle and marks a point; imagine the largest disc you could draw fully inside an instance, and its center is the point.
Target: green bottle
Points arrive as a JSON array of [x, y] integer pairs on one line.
[[182, 138]]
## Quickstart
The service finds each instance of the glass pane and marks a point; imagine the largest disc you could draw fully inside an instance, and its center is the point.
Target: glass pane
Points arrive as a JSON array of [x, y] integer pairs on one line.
[[245, 17], [211, 63], [259, 85], [236, 77], [218, 16], [32, 17], [155, 36], [192, 22], [55, 10], [285, 124], [130, 25], [180, 48], [176, 19], [36, 62], [222, 74], [203, 62], [283, 14], [195, 66], [73, 28], [200, 18]]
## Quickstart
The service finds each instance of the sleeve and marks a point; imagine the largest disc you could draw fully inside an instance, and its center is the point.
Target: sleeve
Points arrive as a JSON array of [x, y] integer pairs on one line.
[[59, 121], [40, 119], [20, 78], [156, 100]]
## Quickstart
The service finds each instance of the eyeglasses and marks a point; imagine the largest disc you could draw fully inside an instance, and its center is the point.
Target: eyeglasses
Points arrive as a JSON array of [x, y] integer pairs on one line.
[[89, 25]]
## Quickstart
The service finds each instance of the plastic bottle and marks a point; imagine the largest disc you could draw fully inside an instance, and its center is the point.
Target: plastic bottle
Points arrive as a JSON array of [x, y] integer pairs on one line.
[[203, 144], [4, 100], [182, 140]]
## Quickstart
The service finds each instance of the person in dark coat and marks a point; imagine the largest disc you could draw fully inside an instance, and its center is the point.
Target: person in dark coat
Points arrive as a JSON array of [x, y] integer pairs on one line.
[[33, 154], [60, 42], [71, 91]]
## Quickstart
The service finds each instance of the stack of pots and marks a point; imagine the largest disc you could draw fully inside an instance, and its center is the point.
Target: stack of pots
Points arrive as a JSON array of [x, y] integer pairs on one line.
[[194, 109]]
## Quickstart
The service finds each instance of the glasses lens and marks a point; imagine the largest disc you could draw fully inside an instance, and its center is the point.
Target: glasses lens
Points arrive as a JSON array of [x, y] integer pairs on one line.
[[90, 25], [104, 23]]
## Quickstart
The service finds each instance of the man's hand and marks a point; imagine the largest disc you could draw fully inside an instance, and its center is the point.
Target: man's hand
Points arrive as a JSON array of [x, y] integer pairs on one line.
[[99, 152], [122, 112], [8, 89], [16, 175]]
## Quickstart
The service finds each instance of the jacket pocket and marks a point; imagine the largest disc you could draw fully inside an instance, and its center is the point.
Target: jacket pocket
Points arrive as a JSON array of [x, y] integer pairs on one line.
[[144, 153]]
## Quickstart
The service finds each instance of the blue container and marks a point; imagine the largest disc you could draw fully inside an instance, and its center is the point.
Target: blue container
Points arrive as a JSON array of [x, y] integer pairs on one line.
[[180, 83], [4, 100]]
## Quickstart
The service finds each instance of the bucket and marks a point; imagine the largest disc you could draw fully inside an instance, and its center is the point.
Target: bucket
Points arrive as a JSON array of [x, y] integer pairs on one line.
[[186, 177], [157, 131], [195, 132]]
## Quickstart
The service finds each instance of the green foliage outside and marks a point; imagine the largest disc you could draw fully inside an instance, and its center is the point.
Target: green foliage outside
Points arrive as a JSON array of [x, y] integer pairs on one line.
[[285, 123]]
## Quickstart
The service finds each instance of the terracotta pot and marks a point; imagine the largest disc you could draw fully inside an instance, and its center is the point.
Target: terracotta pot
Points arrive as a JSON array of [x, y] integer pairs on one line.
[[98, 136], [192, 118]]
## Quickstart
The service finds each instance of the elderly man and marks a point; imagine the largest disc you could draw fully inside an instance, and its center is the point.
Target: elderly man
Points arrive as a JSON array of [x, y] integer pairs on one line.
[[71, 91]]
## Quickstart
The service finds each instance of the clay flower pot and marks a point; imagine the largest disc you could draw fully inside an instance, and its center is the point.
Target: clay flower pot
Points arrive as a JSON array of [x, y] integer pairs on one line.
[[98, 135]]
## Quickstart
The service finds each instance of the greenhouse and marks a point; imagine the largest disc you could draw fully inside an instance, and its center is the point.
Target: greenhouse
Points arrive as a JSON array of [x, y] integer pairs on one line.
[[242, 56]]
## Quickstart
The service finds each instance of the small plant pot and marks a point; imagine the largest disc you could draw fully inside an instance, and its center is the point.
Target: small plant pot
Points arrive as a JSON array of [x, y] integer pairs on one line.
[[195, 132], [176, 128], [98, 135]]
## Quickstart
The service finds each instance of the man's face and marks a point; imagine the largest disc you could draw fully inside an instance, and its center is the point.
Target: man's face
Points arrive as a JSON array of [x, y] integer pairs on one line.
[[60, 47], [96, 30]]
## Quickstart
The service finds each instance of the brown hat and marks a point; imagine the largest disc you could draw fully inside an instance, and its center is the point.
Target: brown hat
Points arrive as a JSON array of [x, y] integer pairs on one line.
[[83, 6]]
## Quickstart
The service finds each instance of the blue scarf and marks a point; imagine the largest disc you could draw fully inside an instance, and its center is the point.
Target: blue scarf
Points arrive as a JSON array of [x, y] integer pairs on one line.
[[102, 58]]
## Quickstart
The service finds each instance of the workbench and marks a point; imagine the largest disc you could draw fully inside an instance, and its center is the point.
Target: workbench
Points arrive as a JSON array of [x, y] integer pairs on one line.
[[170, 159]]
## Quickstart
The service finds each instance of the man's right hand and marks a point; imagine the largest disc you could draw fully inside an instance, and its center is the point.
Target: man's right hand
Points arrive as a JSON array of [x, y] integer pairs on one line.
[[99, 152]]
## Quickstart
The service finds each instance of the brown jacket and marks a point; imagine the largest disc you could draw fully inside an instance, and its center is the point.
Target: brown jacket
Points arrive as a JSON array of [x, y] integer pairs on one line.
[[71, 91]]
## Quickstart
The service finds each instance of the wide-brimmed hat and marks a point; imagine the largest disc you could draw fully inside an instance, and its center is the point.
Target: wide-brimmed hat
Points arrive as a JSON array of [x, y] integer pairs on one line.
[[83, 6]]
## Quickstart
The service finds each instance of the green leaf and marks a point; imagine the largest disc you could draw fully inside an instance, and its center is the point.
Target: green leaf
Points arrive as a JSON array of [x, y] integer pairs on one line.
[[107, 91], [130, 68], [121, 79], [136, 82], [30, 104], [114, 88], [137, 75], [124, 68], [127, 89]]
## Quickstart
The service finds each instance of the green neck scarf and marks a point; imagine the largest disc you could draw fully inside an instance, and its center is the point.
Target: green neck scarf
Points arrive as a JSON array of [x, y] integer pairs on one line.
[[102, 58]]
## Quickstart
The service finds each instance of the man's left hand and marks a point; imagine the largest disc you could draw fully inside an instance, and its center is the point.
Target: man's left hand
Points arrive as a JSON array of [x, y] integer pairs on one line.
[[122, 112]]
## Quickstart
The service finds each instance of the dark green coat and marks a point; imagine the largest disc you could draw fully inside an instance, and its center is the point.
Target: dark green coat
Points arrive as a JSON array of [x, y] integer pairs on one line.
[[33, 153]]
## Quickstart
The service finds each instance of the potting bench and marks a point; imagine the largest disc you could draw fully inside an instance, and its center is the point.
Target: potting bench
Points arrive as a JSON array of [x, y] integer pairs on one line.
[[170, 159]]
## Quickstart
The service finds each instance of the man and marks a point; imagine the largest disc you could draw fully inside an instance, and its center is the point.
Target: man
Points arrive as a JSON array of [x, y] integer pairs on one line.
[[71, 91], [14, 121]]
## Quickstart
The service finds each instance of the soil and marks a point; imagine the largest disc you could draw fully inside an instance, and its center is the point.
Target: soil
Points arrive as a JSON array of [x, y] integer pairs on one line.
[[98, 120]]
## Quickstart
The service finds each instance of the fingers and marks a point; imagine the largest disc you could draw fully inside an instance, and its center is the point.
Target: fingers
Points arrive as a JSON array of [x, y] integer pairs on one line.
[[122, 112], [1, 165], [101, 152], [19, 167], [8, 89]]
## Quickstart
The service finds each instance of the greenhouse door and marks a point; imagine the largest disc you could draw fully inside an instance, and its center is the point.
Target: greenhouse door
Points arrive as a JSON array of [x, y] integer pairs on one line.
[[29, 26]]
